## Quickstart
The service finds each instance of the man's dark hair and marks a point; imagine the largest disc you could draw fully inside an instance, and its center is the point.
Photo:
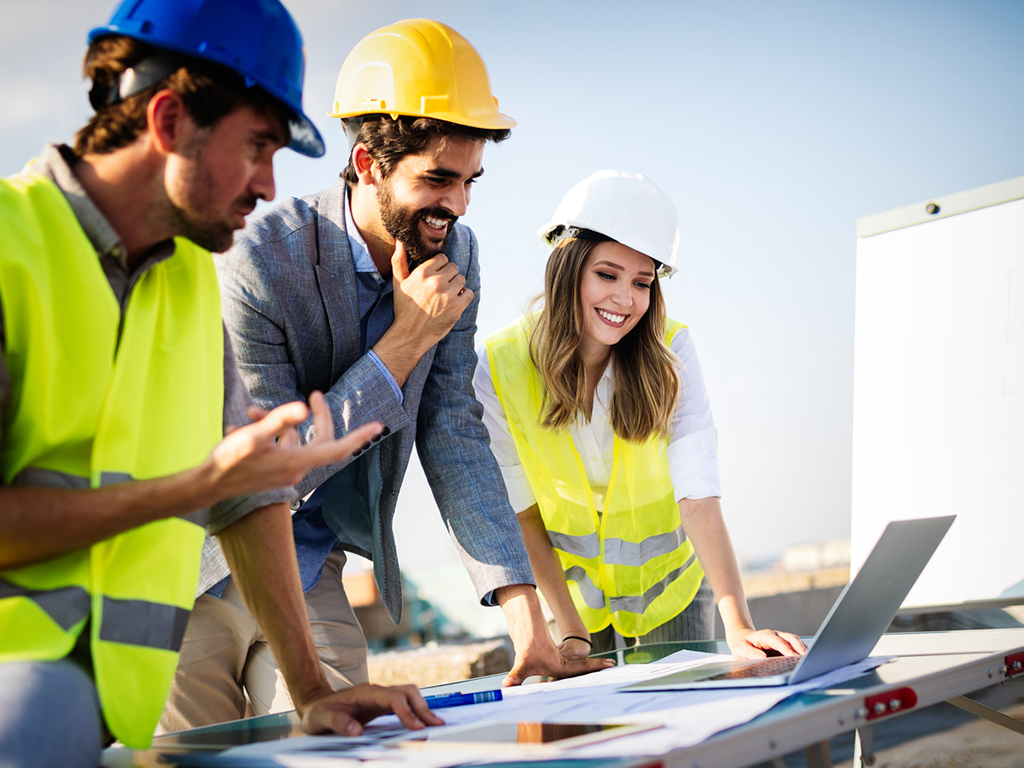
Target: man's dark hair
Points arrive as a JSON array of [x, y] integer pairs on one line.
[[389, 140], [209, 91]]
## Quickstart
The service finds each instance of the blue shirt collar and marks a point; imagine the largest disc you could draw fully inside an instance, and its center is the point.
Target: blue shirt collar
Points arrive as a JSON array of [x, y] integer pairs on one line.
[[361, 258]]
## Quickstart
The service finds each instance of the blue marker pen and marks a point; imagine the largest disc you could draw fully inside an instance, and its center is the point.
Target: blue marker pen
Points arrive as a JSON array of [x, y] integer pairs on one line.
[[461, 699]]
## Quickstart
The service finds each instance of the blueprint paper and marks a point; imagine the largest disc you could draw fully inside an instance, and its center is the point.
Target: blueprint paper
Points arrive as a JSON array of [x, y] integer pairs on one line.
[[392, 758], [698, 715], [687, 717]]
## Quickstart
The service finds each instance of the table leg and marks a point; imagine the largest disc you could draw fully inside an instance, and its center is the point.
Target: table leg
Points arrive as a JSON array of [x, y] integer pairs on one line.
[[864, 746], [819, 755], [994, 715]]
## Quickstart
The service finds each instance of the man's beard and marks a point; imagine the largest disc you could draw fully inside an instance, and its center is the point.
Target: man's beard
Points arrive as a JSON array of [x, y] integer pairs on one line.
[[404, 225], [214, 236]]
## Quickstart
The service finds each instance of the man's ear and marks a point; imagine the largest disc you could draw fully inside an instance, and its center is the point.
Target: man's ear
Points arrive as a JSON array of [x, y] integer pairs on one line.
[[365, 166], [165, 116]]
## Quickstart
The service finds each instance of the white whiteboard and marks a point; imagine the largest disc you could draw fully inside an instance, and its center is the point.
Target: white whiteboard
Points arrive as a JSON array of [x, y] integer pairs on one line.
[[938, 417]]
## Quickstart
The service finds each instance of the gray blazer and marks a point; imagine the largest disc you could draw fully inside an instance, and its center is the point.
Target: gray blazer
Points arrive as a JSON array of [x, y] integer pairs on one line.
[[291, 309]]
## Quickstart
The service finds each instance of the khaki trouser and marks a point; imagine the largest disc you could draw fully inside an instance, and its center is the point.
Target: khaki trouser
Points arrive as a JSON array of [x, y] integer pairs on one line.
[[225, 655]]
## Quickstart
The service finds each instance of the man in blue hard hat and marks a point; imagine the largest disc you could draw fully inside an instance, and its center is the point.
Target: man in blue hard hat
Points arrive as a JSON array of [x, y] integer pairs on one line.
[[118, 385]]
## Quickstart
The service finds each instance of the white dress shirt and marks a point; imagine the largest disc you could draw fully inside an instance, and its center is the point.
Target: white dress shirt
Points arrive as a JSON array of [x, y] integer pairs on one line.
[[692, 448]]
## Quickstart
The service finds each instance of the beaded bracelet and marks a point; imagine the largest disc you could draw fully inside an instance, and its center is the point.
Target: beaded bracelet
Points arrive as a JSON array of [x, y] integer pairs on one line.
[[577, 637]]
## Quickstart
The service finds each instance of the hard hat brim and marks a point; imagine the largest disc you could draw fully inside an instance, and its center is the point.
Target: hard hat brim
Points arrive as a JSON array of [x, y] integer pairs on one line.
[[305, 138]]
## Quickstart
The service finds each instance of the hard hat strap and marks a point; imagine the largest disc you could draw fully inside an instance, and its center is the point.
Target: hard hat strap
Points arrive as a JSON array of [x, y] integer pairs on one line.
[[134, 80], [568, 232], [352, 126], [562, 233]]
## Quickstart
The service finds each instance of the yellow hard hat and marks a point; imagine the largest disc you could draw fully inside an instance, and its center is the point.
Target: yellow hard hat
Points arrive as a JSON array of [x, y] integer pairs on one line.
[[419, 68]]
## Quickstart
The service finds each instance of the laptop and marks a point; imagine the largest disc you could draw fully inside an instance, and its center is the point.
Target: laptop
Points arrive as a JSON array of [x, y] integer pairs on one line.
[[862, 613]]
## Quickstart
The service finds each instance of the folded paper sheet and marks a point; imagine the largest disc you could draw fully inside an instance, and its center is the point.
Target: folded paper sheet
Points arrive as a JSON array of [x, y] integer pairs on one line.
[[688, 717]]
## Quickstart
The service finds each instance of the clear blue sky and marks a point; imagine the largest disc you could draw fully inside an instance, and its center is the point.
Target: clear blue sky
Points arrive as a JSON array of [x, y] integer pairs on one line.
[[773, 126]]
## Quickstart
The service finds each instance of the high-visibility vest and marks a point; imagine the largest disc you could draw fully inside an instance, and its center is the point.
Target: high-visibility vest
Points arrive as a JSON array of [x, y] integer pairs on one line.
[[95, 401], [632, 566]]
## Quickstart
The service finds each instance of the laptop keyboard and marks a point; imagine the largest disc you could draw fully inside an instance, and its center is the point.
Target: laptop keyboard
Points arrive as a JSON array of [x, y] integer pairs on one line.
[[774, 665]]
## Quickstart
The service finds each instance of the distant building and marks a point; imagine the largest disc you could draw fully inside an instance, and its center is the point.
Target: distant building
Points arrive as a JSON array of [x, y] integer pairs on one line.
[[815, 556]]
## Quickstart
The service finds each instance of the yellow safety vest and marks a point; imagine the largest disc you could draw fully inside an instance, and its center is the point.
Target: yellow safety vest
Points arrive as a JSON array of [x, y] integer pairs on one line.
[[631, 566], [94, 402]]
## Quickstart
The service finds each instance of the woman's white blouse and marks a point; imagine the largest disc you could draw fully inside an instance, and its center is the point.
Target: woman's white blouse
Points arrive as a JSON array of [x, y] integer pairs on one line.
[[692, 451]]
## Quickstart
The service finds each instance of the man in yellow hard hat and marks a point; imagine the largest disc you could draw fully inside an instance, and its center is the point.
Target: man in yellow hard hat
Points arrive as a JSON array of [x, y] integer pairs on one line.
[[368, 290]]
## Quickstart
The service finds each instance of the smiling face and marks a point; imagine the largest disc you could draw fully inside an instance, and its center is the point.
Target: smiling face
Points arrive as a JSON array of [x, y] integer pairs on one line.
[[221, 171], [425, 193], [615, 292]]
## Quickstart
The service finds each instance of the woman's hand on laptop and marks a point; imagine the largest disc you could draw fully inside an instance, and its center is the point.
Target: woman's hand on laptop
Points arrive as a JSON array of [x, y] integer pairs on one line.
[[759, 643]]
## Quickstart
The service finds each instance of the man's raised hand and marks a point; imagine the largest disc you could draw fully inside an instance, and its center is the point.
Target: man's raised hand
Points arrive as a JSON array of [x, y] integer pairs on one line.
[[268, 453], [430, 299]]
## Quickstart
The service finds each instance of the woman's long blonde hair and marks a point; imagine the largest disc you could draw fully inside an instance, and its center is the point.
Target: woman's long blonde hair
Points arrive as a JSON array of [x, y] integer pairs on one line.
[[646, 383]]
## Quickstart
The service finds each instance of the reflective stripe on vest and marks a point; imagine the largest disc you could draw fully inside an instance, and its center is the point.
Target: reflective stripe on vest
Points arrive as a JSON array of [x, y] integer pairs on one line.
[[592, 595], [587, 546], [100, 398], [595, 598], [632, 566], [51, 478], [134, 622], [67, 606], [620, 551], [139, 622]]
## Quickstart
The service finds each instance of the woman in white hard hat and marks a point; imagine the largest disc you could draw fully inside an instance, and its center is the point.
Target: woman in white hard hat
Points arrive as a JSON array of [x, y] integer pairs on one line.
[[600, 422]]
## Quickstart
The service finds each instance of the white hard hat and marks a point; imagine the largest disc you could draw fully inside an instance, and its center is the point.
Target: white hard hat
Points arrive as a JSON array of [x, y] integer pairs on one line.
[[626, 207]]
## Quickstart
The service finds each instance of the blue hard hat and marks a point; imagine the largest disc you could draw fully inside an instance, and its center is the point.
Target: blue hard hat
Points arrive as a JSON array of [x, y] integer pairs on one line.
[[256, 38]]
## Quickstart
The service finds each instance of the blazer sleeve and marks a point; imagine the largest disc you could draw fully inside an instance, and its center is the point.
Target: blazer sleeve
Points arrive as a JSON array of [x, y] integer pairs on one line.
[[284, 347], [452, 444]]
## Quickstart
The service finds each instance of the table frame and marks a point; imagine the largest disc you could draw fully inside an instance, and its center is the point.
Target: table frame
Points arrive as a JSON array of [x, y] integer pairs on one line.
[[931, 668], [810, 720]]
